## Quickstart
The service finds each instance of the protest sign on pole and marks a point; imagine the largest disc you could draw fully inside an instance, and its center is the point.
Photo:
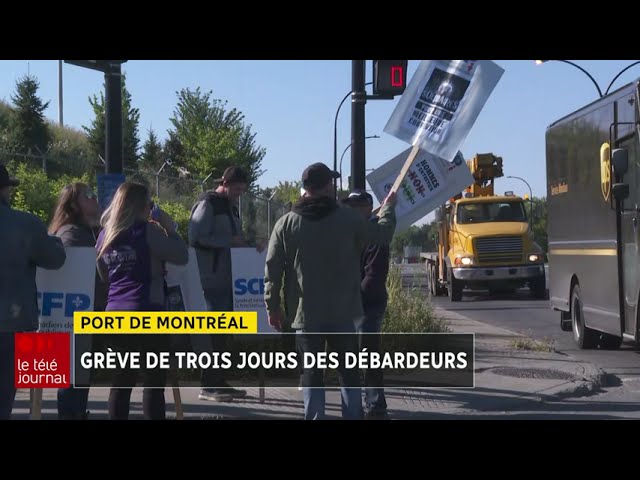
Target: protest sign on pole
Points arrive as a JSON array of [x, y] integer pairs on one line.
[[247, 272], [184, 289], [185, 294], [427, 182], [441, 104], [66, 290], [60, 293]]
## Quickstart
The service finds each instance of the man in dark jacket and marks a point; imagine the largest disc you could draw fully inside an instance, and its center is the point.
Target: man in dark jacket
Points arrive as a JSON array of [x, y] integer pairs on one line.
[[314, 252], [24, 245], [374, 272]]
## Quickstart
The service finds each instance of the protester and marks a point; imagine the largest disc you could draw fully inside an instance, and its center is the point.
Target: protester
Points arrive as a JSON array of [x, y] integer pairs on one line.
[[76, 219], [24, 245], [132, 252], [316, 249], [214, 228], [373, 287]]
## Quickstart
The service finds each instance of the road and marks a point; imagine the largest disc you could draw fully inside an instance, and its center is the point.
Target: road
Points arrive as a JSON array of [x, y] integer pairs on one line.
[[533, 318]]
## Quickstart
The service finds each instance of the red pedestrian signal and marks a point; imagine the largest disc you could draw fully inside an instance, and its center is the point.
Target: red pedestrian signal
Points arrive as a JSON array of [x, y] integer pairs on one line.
[[389, 77]]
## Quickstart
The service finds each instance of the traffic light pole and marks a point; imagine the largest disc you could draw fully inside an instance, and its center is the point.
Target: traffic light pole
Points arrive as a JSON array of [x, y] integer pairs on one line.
[[358, 101], [114, 148]]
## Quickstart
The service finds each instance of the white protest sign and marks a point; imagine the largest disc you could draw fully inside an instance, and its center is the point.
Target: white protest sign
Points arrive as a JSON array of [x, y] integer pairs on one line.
[[66, 290], [441, 104], [247, 272], [184, 289], [429, 183]]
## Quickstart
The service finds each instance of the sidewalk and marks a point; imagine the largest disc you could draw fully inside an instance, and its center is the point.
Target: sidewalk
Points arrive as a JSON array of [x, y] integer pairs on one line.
[[506, 379]]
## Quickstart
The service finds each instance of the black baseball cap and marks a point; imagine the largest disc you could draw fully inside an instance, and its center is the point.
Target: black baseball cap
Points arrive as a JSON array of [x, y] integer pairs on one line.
[[6, 180], [234, 175], [317, 176], [358, 197]]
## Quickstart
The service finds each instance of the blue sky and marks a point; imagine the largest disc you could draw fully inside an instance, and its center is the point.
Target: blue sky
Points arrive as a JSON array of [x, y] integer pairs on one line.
[[292, 104]]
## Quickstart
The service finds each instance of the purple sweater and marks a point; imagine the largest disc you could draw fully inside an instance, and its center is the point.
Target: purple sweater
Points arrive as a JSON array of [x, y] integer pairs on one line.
[[133, 266]]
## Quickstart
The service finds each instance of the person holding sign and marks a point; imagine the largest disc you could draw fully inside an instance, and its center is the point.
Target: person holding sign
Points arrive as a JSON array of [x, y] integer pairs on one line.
[[131, 256], [76, 219], [317, 249], [24, 245], [374, 272]]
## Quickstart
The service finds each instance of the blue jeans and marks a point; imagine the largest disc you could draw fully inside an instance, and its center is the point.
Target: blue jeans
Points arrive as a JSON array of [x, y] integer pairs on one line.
[[7, 382], [313, 378], [72, 402], [373, 379], [218, 300]]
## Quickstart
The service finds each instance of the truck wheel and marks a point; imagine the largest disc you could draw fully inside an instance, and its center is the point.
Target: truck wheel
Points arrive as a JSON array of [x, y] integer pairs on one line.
[[538, 288], [431, 275], [610, 342], [584, 336], [454, 288]]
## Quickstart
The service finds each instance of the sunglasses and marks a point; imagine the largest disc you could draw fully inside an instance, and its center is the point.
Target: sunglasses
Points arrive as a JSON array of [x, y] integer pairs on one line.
[[90, 194]]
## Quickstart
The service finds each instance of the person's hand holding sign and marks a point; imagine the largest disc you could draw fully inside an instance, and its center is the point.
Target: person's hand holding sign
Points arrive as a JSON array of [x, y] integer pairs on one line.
[[391, 199]]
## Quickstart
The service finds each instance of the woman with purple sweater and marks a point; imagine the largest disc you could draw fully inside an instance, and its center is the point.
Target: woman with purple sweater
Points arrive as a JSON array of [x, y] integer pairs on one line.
[[132, 252]]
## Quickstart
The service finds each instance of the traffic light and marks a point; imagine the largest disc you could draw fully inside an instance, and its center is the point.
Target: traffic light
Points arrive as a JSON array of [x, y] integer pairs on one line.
[[389, 77]]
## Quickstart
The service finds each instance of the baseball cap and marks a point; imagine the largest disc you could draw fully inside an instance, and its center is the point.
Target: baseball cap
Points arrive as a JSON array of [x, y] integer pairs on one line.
[[358, 196], [234, 175], [318, 175]]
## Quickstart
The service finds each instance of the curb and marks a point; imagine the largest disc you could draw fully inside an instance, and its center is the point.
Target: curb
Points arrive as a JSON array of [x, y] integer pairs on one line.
[[593, 379]]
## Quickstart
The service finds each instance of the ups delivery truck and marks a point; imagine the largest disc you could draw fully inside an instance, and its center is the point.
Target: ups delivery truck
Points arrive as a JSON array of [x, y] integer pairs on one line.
[[593, 181]]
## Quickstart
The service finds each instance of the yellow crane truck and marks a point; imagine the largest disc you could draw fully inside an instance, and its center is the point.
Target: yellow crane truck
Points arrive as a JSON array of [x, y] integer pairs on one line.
[[484, 240]]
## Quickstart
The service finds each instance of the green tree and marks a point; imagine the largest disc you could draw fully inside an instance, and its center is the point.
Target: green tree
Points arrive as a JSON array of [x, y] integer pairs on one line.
[[213, 137], [96, 132], [539, 222], [152, 155], [287, 192], [418, 236], [28, 127]]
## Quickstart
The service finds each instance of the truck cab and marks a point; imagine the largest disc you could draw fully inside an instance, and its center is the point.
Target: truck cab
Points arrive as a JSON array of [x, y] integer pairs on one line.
[[485, 240], [491, 247]]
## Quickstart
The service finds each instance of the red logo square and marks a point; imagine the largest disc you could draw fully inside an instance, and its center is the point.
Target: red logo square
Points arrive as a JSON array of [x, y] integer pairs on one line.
[[42, 360]]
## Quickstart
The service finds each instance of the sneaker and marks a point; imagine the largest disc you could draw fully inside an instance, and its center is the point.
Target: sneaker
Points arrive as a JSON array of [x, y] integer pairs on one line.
[[215, 395], [234, 392], [376, 415], [79, 416]]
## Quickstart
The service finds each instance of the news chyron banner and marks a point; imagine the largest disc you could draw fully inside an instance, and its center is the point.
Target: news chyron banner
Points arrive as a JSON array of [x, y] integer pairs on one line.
[[441, 104], [174, 347]]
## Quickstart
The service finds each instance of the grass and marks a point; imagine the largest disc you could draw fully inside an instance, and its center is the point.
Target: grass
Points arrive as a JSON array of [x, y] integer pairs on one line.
[[409, 310], [532, 345]]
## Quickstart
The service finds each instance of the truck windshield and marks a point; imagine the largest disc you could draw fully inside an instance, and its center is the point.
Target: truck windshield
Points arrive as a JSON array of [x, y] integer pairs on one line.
[[491, 212]]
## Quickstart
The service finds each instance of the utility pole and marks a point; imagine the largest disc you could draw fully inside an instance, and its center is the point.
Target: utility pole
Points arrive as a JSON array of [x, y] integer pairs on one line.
[[358, 101]]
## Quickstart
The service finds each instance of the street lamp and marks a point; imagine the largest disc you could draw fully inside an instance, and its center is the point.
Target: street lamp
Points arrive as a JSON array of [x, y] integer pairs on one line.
[[620, 73], [345, 151], [335, 142], [540, 62], [60, 92], [530, 194]]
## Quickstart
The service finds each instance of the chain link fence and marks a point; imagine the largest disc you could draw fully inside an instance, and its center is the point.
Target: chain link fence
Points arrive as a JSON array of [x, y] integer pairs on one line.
[[257, 212], [175, 192]]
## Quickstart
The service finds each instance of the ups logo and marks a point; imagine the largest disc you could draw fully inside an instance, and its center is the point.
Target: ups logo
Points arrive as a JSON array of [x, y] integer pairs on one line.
[[605, 170]]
